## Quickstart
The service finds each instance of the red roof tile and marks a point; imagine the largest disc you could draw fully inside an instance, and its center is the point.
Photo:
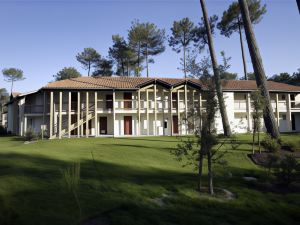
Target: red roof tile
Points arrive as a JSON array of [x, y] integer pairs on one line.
[[136, 82]]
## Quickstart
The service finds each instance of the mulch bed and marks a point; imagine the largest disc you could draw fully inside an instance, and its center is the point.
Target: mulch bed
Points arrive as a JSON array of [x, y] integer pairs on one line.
[[261, 158]]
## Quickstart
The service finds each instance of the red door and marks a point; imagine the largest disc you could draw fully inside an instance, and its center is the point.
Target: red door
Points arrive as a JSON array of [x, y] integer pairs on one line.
[[127, 100], [127, 125], [103, 125], [175, 124]]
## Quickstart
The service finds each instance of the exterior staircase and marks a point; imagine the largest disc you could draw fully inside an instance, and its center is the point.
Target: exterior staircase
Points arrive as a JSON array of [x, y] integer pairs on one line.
[[85, 119]]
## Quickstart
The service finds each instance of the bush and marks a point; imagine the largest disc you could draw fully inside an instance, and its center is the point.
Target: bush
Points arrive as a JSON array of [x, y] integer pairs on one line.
[[287, 170], [291, 146], [270, 144], [30, 135], [271, 162], [3, 130], [8, 215]]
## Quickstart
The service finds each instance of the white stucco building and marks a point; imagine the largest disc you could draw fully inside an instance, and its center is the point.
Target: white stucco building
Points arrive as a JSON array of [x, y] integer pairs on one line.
[[121, 106]]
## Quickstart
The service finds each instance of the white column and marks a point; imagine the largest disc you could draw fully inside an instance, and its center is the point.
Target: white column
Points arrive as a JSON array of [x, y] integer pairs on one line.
[[178, 112], [277, 110], [114, 113], [60, 115], [147, 113], [155, 111], [200, 111], [248, 108], [96, 115], [86, 114], [69, 115], [185, 109], [25, 124], [78, 114], [193, 99], [139, 113], [289, 114], [51, 116], [171, 113]]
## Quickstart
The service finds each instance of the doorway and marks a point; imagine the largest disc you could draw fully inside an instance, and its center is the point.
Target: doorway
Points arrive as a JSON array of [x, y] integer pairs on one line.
[[175, 124], [293, 122], [127, 125], [103, 125]]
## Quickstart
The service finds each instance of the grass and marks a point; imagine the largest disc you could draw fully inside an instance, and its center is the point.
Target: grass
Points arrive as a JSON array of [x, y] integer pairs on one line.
[[122, 177]]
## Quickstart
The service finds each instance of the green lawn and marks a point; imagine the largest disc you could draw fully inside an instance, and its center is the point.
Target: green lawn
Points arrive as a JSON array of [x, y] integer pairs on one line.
[[125, 181]]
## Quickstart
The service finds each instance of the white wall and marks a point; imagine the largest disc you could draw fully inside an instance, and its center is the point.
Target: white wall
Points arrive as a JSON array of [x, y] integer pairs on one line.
[[240, 123], [229, 104], [119, 124]]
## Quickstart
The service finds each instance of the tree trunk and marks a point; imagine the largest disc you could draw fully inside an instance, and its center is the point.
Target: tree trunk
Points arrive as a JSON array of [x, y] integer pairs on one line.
[[89, 68], [258, 136], [12, 85], [184, 63], [127, 68], [210, 173], [259, 71], [258, 140], [225, 122], [253, 136], [200, 166], [123, 68], [243, 51], [147, 64], [138, 67]]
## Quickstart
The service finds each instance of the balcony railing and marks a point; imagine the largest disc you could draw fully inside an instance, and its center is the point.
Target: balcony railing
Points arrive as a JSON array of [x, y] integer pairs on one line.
[[33, 109], [121, 105], [240, 104], [295, 104]]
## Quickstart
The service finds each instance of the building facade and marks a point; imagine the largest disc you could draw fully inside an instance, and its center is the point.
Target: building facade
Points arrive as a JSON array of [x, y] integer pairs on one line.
[[124, 106]]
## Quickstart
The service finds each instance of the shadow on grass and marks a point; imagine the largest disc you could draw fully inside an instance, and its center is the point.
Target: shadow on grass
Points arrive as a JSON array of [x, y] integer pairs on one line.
[[136, 146], [151, 139], [33, 187]]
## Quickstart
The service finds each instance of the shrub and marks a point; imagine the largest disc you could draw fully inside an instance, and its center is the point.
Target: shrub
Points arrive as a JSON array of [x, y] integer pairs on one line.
[[271, 162], [287, 170], [30, 135], [270, 144], [8, 216], [291, 146], [3, 130]]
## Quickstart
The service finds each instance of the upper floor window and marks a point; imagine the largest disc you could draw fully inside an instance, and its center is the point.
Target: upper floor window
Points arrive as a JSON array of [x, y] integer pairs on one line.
[[127, 100], [292, 97], [282, 97], [109, 101]]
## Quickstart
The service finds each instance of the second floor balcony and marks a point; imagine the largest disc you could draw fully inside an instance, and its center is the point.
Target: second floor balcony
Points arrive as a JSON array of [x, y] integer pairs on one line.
[[282, 105], [34, 109]]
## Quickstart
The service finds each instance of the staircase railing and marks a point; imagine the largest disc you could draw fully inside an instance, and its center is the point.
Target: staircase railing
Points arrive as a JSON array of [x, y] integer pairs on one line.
[[82, 120]]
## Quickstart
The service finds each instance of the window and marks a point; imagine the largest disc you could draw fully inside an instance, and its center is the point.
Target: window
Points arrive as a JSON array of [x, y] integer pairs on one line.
[[293, 97], [166, 124], [283, 117], [109, 101], [282, 97]]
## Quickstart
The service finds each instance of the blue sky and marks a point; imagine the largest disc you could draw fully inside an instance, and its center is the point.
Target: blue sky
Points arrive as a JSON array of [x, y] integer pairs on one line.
[[43, 36]]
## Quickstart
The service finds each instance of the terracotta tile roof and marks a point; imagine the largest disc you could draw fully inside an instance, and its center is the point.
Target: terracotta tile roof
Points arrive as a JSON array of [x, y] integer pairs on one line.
[[136, 82], [251, 85], [109, 82]]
